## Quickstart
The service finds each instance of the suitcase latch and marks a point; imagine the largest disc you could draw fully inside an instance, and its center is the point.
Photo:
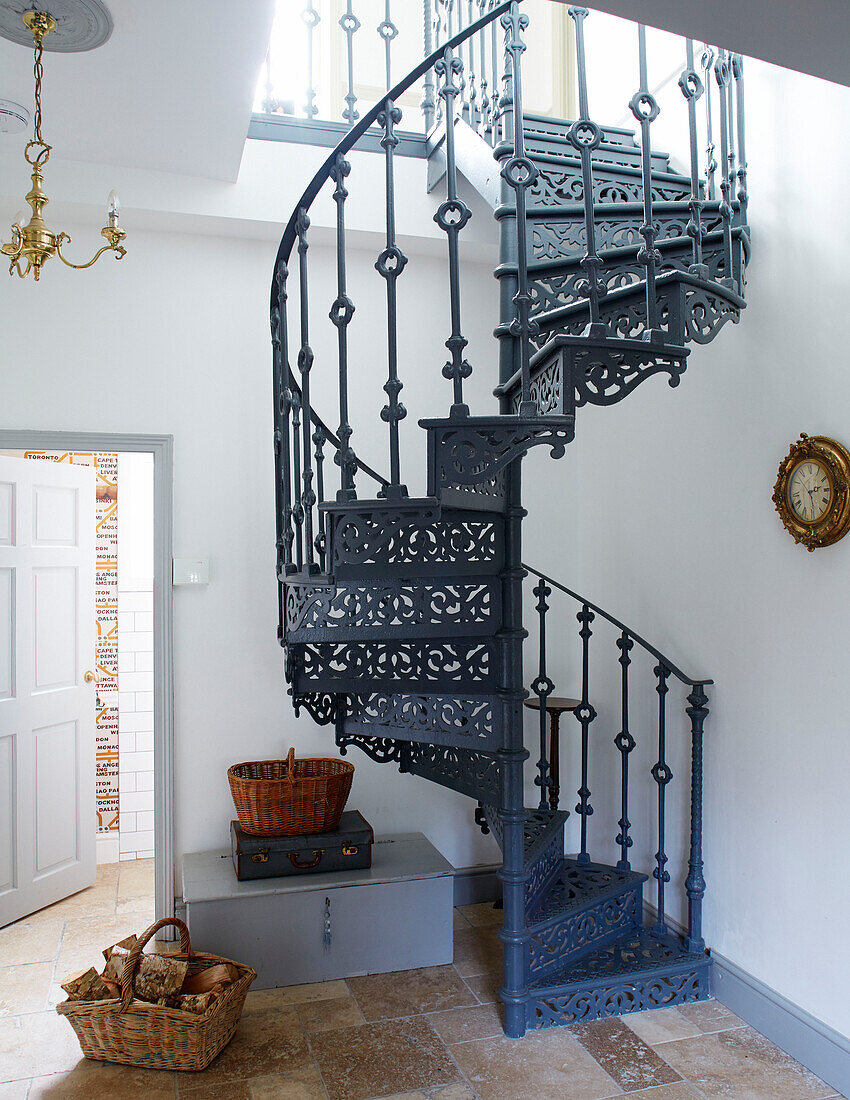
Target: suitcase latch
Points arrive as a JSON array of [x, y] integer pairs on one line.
[[349, 849], [261, 857]]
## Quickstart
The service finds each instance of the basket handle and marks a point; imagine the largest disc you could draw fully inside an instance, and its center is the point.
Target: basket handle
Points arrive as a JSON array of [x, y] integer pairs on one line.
[[128, 971], [290, 766]]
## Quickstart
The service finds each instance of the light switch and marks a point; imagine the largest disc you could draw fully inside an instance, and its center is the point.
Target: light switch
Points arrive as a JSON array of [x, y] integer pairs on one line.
[[191, 571]]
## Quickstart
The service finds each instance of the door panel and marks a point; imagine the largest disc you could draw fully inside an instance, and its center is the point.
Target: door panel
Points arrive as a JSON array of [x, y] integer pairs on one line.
[[47, 713]]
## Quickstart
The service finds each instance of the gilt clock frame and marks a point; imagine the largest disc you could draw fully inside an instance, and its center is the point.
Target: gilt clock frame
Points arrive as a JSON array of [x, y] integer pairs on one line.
[[835, 522]]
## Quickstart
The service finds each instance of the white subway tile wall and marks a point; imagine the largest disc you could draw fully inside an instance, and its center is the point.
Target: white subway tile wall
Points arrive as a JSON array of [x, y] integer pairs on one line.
[[135, 724]]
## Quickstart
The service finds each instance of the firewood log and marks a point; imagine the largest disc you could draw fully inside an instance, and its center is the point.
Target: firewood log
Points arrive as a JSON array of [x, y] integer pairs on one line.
[[87, 985]]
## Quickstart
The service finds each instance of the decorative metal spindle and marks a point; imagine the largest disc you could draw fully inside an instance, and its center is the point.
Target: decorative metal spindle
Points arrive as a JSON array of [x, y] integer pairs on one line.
[[288, 506], [350, 25], [519, 173], [319, 442], [496, 89], [542, 687], [388, 32], [625, 743], [428, 103], [585, 713], [449, 10], [484, 99], [644, 107], [471, 80], [452, 215], [695, 882], [297, 507], [274, 320], [721, 72], [692, 89], [662, 775], [390, 265], [311, 18], [283, 411], [707, 63], [305, 363], [731, 164], [341, 313], [738, 74], [585, 136]]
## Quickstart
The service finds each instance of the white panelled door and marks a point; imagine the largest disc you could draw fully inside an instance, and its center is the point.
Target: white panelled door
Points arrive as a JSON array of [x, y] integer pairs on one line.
[[47, 711]]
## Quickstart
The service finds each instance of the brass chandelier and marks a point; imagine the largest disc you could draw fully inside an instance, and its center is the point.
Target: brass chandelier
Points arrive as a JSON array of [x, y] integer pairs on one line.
[[33, 244]]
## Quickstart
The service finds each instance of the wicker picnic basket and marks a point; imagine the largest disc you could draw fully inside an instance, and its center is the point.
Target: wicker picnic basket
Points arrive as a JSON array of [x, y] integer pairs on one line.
[[290, 797], [136, 1033]]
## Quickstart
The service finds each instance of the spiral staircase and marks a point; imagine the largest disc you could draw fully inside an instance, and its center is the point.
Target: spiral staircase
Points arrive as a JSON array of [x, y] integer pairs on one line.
[[402, 618]]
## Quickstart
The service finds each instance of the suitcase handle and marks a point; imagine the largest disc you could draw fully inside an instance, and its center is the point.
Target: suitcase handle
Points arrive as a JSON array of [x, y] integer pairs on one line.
[[317, 852]]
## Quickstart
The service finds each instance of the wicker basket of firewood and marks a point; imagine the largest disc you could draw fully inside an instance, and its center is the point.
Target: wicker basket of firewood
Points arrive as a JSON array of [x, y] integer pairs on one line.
[[135, 1032]]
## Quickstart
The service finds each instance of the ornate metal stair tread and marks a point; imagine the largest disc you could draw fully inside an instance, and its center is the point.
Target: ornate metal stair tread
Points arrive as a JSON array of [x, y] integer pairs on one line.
[[614, 135], [580, 886], [633, 953]]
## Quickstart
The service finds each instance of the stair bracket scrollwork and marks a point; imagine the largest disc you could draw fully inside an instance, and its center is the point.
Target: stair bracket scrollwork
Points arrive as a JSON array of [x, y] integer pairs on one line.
[[321, 706]]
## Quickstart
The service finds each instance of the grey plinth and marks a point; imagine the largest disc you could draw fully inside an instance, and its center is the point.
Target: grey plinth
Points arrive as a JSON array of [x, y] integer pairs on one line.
[[395, 915]]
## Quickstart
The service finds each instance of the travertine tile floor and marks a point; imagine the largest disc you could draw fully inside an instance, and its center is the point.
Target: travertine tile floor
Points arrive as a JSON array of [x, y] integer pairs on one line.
[[431, 1034]]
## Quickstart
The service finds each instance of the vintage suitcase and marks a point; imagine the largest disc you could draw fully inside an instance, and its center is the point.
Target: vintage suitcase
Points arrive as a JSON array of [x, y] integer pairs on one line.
[[346, 848]]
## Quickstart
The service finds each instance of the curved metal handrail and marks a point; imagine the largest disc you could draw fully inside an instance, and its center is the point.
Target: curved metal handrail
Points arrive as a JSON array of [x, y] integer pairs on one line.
[[665, 661], [323, 175]]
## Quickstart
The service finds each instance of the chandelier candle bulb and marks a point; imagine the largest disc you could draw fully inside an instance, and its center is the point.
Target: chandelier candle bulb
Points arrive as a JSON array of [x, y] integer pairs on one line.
[[113, 209]]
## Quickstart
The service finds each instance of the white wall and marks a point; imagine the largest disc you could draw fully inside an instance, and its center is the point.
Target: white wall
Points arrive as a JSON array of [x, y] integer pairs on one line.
[[679, 538]]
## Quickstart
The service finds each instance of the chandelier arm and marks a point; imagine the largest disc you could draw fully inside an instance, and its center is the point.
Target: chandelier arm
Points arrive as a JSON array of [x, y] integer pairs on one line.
[[119, 251]]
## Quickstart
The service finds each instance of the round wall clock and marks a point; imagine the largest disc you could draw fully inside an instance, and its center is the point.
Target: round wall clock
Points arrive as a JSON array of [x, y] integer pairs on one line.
[[812, 491]]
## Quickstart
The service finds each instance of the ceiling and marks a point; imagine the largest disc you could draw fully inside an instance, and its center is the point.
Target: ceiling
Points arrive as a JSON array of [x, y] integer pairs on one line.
[[810, 36], [171, 90]]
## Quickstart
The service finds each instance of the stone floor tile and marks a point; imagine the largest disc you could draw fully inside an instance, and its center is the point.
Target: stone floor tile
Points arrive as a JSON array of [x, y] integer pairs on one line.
[[91, 1080], [261, 1000], [265, 1043], [139, 906], [710, 1016], [298, 1084], [623, 1054], [477, 951], [28, 941], [485, 987], [459, 920], [381, 1059], [742, 1064], [679, 1090], [659, 1025], [546, 1065], [187, 1085], [95, 901], [409, 992], [37, 1044], [442, 1092], [482, 915], [85, 938], [24, 988], [14, 1090], [329, 1015], [459, 1025]]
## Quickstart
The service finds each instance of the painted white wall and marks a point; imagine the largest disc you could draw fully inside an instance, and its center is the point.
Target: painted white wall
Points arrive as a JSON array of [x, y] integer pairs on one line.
[[678, 537]]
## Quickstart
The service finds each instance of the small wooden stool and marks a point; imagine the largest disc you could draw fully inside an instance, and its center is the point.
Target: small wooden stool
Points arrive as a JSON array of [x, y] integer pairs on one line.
[[555, 707]]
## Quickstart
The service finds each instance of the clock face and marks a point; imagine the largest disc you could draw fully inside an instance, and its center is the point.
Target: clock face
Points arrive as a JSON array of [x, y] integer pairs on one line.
[[809, 490]]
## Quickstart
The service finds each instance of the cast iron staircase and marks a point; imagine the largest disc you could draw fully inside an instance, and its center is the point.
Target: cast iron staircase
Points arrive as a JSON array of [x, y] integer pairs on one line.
[[402, 618]]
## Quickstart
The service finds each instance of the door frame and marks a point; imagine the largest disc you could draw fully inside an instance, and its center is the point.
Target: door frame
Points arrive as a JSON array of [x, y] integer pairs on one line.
[[162, 448]]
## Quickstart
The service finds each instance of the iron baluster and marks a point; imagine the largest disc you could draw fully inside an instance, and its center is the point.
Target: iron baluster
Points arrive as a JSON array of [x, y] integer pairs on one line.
[[341, 313], [390, 264], [738, 74], [585, 136], [388, 32], [428, 103], [625, 743], [731, 168], [542, 687], [495, 92], [350, 25], [274, 320], [707, 63], [305, 364], [484, 101], [283, 404], [452, 215], [519, 173], [662, 775], [721, 73], [644, 107], [320, 541], [311, 18], [449, 9], [692, 90], [297, 507], [695, 882], [585, 713], [472, 91]]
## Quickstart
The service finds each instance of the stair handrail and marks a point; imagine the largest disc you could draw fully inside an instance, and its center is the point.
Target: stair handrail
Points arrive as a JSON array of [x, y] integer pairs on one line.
[[688, 681]]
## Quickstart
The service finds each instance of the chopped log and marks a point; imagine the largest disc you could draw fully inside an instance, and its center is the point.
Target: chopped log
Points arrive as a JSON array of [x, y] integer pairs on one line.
[[159, 978], [87, 985], [200, 1002], [206, 980]]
